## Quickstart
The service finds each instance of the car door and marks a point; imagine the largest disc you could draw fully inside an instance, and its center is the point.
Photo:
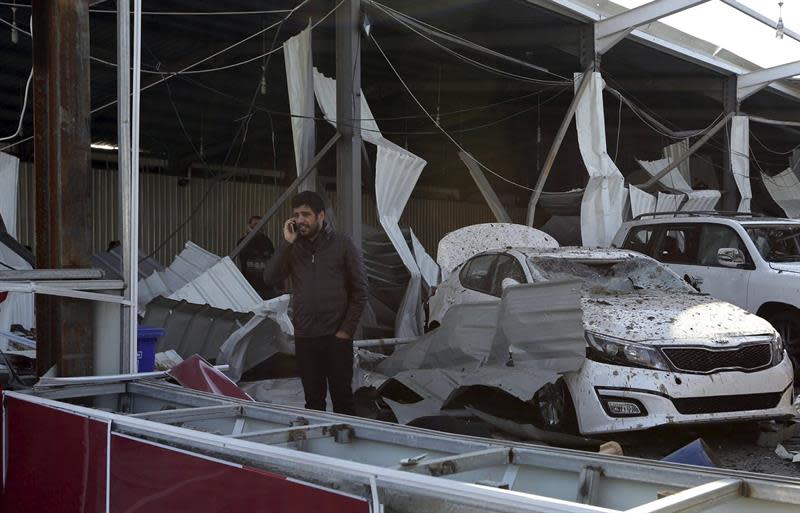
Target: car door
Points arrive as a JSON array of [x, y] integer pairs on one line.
[[691, 251]]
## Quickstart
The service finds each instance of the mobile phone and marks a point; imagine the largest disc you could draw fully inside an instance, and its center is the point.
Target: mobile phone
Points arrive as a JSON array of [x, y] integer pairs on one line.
[[292, 227]]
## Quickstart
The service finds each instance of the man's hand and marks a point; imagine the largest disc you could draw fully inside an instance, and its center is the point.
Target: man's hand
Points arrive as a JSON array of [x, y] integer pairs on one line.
[[289, 232], [342, 335]]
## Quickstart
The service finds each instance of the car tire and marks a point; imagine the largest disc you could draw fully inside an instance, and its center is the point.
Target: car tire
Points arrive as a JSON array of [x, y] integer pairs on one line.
[[554, 409], [787, 323]]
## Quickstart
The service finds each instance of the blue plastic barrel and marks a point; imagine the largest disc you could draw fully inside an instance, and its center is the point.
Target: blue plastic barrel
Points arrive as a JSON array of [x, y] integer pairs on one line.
[[146, 339]]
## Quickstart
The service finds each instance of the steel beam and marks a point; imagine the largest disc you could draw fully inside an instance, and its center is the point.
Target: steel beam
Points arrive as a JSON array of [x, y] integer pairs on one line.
[[485, 187], [348, 115], [699, 498], [750, 83], [611, 31], [760, 17], [61, 92], [730, 191]]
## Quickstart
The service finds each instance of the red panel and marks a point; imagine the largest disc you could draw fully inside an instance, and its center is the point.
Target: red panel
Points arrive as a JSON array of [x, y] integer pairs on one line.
[[146, 478], [56, 460], [198, 374]]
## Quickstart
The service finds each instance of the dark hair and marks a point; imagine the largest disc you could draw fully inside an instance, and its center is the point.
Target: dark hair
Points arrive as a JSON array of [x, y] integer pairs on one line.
[[309, 198], [257, 218]]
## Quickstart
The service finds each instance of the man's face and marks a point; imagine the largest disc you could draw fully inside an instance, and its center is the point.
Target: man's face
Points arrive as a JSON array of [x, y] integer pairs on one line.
[[307, 223], [253, 223]]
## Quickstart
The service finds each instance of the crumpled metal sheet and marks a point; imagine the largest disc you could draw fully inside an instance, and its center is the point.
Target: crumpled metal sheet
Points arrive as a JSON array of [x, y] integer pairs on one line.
[[672, 180], [427, 265], [459, 245], [530, 338], [9, 181], [221, 286], [17, 308], [701, 201], [785, 190], [198, 374], [188, 265], [740, 159], [111, 263]]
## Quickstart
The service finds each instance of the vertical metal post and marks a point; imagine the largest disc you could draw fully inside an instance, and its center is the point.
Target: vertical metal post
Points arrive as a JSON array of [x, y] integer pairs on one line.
[[63, 177], [348, 116], [129, 359], [730, 192], [124, 169]]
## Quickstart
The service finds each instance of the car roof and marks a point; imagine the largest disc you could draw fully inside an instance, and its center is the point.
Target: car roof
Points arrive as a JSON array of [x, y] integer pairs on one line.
[[582, 253]]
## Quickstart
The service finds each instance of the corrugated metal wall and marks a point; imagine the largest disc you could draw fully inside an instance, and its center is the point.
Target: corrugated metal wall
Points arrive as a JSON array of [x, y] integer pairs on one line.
[[166, 204]]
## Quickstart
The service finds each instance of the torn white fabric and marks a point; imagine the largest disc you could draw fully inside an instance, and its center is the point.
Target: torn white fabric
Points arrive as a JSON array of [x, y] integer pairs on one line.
[[299, 80], [396, 173], [740, 159], [785, 190], [672, 180], [9, 182], [701, 201], [675, 151], [459, 245], [668, 202], [603, 202], [427, 265], [641, 202], [325, 91]]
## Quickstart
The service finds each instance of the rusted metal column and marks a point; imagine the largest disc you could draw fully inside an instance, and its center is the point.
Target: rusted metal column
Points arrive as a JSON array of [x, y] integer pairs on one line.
[[63, 177]]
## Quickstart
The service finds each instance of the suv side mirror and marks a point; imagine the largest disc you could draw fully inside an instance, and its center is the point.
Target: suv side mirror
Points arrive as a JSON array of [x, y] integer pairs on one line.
[[508, 282], [730, 257]]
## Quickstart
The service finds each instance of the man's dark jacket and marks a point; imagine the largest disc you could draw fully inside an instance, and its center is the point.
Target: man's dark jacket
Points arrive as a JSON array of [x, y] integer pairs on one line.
[[329, 285]]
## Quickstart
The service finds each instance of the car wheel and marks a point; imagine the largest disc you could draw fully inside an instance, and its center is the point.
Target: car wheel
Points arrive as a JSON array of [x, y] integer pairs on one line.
[[787, 323], [554, 408]]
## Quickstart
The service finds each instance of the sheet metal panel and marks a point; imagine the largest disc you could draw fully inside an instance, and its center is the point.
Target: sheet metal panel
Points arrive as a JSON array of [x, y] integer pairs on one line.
[[148, 477], [785, 190], [56, 460]]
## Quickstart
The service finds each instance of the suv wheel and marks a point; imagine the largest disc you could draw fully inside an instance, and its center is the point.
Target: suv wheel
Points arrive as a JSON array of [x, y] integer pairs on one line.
[[787, 322], [554, 408]]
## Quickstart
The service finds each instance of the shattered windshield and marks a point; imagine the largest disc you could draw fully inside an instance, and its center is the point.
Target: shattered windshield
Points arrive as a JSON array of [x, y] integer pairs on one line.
[[778, 243], [613, 276]]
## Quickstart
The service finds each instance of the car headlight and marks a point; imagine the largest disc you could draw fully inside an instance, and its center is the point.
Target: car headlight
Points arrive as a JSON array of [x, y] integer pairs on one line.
[[616, 351], [777, 349]]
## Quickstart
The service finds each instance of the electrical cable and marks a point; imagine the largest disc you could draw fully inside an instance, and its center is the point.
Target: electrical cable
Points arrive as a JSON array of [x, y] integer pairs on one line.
[[7, 266], [473, 62], [444, 132], [15, 27], [169, 13], [774, 152], [25, 99], [434, 31]]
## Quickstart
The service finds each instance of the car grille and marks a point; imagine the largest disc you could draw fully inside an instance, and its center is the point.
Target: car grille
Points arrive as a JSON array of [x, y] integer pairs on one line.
[[726, 403], [701, 360]]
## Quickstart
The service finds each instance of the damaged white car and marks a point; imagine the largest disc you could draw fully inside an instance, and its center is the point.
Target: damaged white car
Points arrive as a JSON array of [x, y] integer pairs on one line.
[[657, 352]]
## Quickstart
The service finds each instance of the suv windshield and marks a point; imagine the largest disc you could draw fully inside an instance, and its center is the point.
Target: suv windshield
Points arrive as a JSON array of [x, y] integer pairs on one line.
[[613, 276], [777, 243]]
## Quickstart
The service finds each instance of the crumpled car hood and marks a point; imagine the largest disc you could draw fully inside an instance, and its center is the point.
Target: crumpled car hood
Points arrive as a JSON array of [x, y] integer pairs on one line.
[[668, 317]]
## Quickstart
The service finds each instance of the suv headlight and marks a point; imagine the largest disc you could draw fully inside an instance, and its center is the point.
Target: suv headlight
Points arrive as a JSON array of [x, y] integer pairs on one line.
[[777, 349], [603, 348]]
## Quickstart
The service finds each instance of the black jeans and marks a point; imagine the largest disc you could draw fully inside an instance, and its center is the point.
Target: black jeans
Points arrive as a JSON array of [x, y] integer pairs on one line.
[[326, 362]]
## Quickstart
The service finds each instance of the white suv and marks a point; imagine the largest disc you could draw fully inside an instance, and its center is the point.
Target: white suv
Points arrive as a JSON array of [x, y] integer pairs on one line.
[[750, 261]]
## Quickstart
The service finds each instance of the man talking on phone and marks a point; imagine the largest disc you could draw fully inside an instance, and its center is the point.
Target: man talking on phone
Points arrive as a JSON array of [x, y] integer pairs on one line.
[[329, 293]]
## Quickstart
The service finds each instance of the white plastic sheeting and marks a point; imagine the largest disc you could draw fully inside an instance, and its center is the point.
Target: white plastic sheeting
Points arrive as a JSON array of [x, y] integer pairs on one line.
[[672, 180], [459, 245], [603, 201], [427, 265], [325, 90], [299, 79], [221, 286], [396, 174], [641, 202], [740, 159], [9, 180], [785, 190]]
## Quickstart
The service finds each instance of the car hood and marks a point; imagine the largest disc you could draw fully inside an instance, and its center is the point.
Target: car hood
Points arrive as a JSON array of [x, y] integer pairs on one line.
[[792, 267], [669, 317]]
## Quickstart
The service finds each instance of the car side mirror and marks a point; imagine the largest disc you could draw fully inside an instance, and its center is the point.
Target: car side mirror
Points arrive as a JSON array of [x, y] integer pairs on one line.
[[730, 257], [508, 282]]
